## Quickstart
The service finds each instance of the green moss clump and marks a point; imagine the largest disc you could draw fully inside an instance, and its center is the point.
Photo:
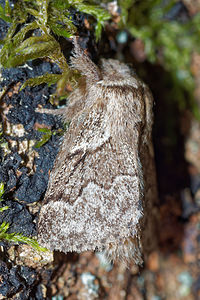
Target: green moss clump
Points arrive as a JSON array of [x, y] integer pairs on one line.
[[31, 35]]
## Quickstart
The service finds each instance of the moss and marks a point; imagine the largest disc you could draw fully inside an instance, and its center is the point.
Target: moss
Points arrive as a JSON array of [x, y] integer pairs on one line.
[[168, 41], [33, 28], [1, 199], [47, 133], [15, 237]]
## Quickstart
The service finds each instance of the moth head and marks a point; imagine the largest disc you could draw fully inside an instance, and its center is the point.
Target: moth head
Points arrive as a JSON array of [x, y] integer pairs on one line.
[[112, 66]]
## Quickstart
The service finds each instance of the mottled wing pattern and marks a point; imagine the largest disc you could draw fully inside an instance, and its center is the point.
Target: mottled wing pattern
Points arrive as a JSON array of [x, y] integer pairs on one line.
[[92, 199], [99, 187]]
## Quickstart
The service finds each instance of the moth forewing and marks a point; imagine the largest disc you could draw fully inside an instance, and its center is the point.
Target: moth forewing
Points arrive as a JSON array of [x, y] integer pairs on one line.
[[96, 193]]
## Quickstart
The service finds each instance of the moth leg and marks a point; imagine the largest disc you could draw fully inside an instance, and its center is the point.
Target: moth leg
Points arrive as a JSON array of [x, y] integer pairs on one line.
[[59, 111], [76, 104]]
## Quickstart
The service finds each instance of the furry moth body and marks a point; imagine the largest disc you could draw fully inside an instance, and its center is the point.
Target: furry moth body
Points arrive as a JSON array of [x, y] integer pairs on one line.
[[96, 193]]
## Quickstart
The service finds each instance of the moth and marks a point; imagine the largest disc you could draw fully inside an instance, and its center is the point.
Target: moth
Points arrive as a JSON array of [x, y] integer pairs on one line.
[[101, 186]]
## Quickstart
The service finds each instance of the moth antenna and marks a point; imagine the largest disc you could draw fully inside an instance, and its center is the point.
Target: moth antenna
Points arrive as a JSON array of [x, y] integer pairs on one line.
[[81, 62]]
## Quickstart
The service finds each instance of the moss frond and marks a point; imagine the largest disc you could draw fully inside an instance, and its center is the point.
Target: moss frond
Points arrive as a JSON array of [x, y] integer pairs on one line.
[[18, 237], [45, 137], [15, 237], [1, 190], [5, 12]]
